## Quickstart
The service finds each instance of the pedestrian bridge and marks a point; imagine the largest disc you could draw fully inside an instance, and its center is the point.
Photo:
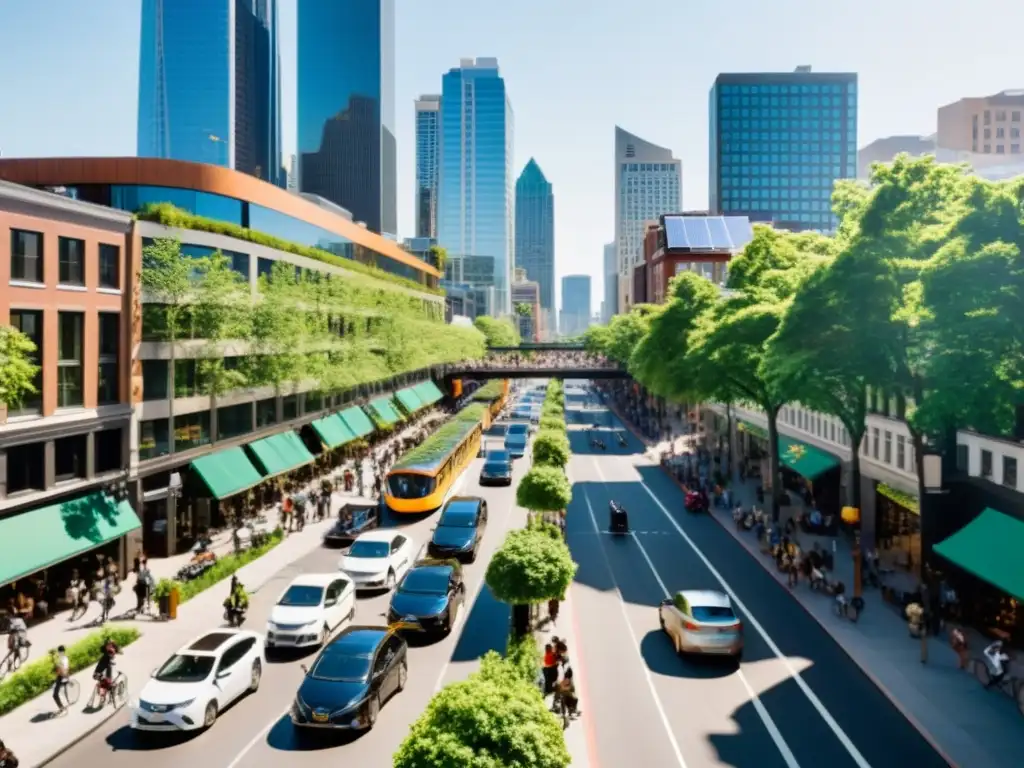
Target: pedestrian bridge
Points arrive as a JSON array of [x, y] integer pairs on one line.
[[489, 368]]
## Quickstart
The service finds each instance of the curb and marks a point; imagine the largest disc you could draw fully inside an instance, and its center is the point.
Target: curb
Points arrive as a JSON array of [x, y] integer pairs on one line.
[[590, 738], [924, 732]]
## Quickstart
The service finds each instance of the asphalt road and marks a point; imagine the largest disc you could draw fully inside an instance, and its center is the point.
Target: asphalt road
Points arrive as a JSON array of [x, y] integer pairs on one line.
[[796, 700], [256, 731]]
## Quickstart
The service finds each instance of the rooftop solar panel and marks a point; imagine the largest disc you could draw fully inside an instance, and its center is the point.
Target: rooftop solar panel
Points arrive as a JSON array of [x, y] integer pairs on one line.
[[675, 234], [697, 232], [719, 234], [740, 231]]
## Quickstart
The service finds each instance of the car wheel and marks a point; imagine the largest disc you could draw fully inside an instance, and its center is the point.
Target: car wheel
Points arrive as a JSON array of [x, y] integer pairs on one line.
[[255, 675], [372, 711], [210, 715], [403, 675], [390, 583]]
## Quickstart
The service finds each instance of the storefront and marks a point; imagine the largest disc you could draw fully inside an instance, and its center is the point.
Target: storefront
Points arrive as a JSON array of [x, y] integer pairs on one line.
[[897, 530]]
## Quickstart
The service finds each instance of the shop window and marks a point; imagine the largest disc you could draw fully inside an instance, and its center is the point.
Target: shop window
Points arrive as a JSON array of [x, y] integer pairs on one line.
[[266, 413], [155, 375], [70, 458], [901, 452], [963, 457], [26, 468], [888, 447], [1009, 471], [234, 420], [30, 323], [186, 378], [108, 449], [72, 261], [26, 256], [154, 439], [314, 402], [69, 359], [986, 464], [110, 266], [191, 430], [875, 435], [108, 386], [290, 407]]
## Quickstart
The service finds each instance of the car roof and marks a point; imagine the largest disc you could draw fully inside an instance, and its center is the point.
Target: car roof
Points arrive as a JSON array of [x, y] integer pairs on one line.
[[462, 505], [495, 453], [211, 643], [358, 641], [707, 598], [387, 535], [315, 579], [435, 566], [435, 562]]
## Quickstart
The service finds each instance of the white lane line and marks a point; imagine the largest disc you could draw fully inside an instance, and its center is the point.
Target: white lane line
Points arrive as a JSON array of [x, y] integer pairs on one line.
[[636, 646], [762, 712], [812, 697]]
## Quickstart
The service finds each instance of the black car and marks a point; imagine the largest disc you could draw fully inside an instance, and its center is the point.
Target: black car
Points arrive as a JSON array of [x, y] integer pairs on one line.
[[497, 469], [351, 678], [429, 597], [353, 519], [460, 530]]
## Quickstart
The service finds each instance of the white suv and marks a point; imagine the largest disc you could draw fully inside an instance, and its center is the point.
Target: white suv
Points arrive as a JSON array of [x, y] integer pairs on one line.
[[313, 606], [378, 559]]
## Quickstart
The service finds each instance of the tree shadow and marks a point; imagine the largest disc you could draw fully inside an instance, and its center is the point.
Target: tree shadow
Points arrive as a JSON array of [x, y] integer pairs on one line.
[[84, 517], [486, 628]]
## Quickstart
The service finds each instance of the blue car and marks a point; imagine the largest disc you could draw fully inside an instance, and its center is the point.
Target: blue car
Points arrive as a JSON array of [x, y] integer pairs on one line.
[[497, 469], [430, 597], [516, 438], [460, 530]]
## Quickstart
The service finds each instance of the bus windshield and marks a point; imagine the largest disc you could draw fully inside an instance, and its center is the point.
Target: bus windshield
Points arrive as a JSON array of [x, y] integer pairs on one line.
[[411, 486]]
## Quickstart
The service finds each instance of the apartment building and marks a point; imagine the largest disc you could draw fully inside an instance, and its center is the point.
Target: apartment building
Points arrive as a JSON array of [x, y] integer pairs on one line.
[[986, 124]]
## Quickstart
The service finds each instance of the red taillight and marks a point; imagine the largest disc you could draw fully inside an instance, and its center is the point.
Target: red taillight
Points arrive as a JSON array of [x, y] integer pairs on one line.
[[689, 626], [739, 626]]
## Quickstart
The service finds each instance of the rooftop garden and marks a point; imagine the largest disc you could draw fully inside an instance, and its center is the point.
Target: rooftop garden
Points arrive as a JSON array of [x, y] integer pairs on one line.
[[439, 445], [490, 391]]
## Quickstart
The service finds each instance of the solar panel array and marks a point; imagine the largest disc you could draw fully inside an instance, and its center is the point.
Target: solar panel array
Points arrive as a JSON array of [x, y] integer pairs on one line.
[[707, 233]]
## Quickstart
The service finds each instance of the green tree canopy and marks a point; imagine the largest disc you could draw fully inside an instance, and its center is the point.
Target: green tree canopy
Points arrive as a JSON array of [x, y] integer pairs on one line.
[[523, 309], [544, 489], [493, 719], [222, 313], [17, 366], [551, 448], [552, 408], [498, 332], [437, 255], [530, 567], [621, 336], [552, 422]]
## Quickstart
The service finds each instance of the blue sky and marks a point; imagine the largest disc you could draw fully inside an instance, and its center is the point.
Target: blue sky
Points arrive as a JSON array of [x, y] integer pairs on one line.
[[574, 68]]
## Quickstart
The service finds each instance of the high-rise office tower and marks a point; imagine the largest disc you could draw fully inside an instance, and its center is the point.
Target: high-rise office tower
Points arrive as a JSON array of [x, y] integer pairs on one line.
[[648, 184], [346, 107], [428, 113], [576, 313], [778, 143], [210, 84], [611, 284], [535, 234], [476, 198]]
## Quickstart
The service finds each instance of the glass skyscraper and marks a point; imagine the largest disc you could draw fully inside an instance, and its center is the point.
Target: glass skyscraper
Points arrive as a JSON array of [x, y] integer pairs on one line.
[[576, 312], [210, 84], [428, 147], [476, 199], [778, 142], [535, 234], [346, 107]]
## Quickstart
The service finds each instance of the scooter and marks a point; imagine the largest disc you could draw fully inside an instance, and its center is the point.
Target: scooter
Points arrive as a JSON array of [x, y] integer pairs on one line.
[[235, 617]]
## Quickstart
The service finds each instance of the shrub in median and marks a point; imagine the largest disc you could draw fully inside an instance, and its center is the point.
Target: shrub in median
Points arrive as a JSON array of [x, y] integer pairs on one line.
[[551, 448], [544, 489], [226, 566], [552, 422], [37, 677]]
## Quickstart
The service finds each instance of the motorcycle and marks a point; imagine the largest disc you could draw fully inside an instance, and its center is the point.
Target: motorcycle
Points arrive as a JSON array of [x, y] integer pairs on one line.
[[235, 617]]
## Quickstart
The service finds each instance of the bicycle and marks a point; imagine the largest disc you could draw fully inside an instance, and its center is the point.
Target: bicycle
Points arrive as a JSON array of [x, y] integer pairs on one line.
[[116, 694], [1009, 685], [14, 658], [72, 690]]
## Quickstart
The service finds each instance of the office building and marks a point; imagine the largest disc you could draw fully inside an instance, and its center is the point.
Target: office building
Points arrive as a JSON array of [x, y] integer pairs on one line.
[[535, 233], [210, 84], [648, 183], [778, 142], [346, 107], [576, 313], [884, 150], [986, 125], [476, 198], [428, 113], [526, 304], [610, 304], [293, 174]]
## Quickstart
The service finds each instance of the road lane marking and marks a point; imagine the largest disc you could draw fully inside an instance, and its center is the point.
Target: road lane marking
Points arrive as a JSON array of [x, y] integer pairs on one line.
[[811, 696], [636, 646], [762, 712]]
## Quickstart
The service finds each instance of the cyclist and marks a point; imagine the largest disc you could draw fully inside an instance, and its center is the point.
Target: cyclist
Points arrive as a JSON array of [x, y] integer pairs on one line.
[[996, 658], [105, 669]]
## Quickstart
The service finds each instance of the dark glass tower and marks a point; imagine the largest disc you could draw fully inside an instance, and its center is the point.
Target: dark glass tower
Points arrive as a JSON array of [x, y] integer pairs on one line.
[[210, 84], [535, 233], [346, 107]]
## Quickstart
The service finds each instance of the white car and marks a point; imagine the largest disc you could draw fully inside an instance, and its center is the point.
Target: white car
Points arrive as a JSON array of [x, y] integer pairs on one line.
[[378, 559], [195, 684], [309, 610]]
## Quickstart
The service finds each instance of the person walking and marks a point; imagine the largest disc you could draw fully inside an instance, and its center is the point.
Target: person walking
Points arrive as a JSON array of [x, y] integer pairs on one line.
[[62, 673]]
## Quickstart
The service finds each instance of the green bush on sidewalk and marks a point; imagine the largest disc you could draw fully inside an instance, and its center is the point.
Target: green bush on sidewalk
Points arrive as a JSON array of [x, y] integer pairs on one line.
[[37, 677], [226, 566]]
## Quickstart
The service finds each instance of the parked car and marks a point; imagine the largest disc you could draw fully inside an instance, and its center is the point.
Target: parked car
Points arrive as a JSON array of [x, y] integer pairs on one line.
[[702, 621], [460, 529], [378, 559], [430, 597], [313, 606]]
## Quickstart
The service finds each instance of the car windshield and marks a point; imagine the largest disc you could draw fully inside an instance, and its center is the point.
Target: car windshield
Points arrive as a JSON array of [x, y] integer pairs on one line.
[[713, 614], [302, 596], [458, 519], [341, 668], [499, 457], [517, 429], [185, 668], [496, 466], [410, 486], [425, 581], [369, 549]]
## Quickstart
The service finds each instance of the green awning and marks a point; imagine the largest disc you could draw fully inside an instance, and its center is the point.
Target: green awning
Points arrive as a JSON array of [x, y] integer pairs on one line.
[[409, 400], [281, 453], [989, 547], [752, 429], [357, 421], [384, 411], [428, 392], [806, 460], [333, 431], [43, 537], [227, 472]]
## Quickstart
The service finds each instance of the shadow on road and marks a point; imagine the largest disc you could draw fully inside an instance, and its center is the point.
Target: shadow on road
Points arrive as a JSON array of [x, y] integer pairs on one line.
[[286, 737], [661, 658], [124, 739], [486, 628]]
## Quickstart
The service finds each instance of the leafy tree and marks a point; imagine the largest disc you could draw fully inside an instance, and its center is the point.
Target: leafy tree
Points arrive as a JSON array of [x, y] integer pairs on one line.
[[17, 366], [551, 448], [222, 312], [544, 489], [528, 568], [623, 334], [596, 339], [523, 309], [279, 328], [497, 332], [552, 409], [551, 422], [490, 720], [438, 256]]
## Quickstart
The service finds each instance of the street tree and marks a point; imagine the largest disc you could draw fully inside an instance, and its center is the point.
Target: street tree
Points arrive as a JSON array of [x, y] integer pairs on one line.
[[552, 422], [551, 448], [499, 332], [493, 719], [222, 313], [624, 333], [437, 255], [18, 368], [529, 567], [552, 409], [544, 489], [280, 329]]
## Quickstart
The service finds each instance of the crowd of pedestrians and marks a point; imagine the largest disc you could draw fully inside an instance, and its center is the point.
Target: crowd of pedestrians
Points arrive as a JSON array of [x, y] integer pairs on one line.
[[538, 360]]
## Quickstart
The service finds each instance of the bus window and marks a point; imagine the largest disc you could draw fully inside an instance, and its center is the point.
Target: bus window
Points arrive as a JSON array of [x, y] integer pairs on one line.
[[411, 486]]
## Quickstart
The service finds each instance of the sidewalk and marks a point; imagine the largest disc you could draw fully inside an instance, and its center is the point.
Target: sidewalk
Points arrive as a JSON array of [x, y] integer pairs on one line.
[[970, 726]]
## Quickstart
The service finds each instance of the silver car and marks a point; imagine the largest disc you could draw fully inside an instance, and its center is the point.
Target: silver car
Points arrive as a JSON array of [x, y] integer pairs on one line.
[[702, 621]]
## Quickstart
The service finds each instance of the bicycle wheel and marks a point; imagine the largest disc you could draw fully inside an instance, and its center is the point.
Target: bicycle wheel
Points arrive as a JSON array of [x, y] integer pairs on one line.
[[980, 671], [21, 655], [119, 692], [72, 691]]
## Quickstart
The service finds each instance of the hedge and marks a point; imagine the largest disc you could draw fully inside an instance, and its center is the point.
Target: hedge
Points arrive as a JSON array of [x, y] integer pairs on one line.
[[523, 653], [36, 678], [224, 567]]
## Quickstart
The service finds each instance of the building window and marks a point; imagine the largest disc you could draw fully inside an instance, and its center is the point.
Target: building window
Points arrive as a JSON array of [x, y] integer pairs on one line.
[[108, 387], [290, 406], [901, 452], [69, 458], [110, 266], [314, 402], [986, 464], [1009, 471], [155, 374], [72, 261], [186, 378], [888, 447], [191, 430], [874, 442], [69, 359], [266, 412], [153, 439], [234, 420], [30, 323], [26, 468], [26, 256], [108, 450]]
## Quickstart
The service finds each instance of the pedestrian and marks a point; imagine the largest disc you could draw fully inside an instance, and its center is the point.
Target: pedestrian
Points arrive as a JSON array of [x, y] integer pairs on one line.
[[141, 588], [62, 672], [550, 668], [553, 610], [958, 641]]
